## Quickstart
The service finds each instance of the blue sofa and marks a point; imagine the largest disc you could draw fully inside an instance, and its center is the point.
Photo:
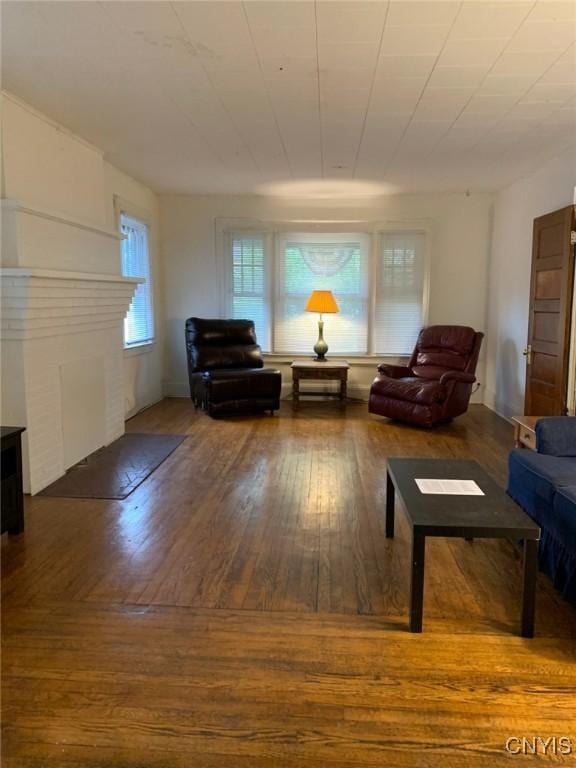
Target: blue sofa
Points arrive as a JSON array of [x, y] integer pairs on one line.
[[543, 483]]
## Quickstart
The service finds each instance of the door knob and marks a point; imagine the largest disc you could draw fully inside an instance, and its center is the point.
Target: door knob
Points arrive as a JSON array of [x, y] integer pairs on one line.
[[528, 354]]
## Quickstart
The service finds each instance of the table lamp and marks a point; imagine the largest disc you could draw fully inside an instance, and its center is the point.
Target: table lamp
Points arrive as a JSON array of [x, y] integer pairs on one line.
[[321, 301]]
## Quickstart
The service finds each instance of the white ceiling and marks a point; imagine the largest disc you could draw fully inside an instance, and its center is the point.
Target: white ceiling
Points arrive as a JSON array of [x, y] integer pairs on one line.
[[228, 96]]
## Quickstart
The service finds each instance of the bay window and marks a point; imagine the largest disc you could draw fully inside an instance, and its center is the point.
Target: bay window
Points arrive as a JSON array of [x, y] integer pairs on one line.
[[308, 262], [377, 278]]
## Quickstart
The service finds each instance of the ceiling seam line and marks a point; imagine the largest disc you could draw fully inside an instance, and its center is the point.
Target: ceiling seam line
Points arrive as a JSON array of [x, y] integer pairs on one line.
[[268, 96], [556, 60], [497, 59], [197, 129], [370, 95], [218, 97], [200, 133], [565, 146], [534, 127], [318, 89], [401, 139]]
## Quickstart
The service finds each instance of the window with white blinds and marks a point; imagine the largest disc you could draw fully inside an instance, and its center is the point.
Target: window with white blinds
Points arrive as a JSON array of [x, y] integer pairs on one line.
[[399, 292], [139, 322], [334, 262], [378, 281], [248, 297]]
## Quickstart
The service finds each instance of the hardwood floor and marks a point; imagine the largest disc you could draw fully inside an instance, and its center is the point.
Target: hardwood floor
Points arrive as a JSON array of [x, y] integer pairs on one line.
[[243, 608]]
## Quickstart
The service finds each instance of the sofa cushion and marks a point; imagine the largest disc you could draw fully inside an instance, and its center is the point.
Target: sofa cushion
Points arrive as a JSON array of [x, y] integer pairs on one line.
[[562, 520], [556, 435], [410, 389], [543, 473], [533, 479]]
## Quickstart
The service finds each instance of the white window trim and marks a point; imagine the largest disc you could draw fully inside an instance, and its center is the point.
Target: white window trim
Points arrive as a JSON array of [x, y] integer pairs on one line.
[[139, 349], [281, 236], [123, 206], [376, 245], [225, 227]]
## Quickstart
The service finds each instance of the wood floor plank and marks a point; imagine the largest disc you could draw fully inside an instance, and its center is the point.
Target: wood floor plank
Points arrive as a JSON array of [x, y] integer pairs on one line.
[[244, 609]]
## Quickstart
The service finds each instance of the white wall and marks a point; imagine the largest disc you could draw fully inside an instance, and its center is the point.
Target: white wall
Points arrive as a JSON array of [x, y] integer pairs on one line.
[[68, 190], [142, 366], [515, 208], [47, 167], [460, 245]]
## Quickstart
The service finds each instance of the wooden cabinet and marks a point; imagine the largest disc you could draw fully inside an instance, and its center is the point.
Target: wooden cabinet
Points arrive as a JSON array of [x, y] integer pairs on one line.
[[524, 431], [11, 491]]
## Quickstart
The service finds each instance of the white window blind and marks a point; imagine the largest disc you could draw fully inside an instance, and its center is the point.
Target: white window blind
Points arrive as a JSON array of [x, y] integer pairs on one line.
[[378, 281], [311, 261], [139, 322], [399, 292], [248, 288]]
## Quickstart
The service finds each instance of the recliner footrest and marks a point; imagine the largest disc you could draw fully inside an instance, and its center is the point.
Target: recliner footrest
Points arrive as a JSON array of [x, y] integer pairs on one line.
[[239, 388]]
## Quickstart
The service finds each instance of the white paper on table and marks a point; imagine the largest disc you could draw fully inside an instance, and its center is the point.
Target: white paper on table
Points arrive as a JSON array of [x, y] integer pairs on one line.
[[450, 487]]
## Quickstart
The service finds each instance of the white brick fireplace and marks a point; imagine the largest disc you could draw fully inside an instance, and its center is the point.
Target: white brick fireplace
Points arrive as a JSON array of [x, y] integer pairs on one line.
[[65, 375], [62, 364]]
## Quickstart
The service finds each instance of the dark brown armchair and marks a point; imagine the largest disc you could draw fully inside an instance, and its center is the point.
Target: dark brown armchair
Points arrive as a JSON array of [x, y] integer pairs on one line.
[[436, 384], [226, 369]]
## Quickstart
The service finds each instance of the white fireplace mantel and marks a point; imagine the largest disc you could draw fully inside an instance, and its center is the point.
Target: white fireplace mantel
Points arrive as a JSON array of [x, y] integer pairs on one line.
[[39, 303], [62, 364]]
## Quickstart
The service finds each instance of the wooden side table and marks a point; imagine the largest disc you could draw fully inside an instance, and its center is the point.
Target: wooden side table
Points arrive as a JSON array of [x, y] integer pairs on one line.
[[312, 369], [524, 431], [12, 494]]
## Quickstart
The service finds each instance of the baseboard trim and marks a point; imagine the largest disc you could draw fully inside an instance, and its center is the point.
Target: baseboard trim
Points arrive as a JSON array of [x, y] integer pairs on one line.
[[176, 389], [355, 391], [490, 403], [140, 409]]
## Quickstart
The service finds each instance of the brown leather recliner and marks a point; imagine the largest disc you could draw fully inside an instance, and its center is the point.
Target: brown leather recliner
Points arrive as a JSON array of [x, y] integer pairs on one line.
[[226, 369], [436, 384]]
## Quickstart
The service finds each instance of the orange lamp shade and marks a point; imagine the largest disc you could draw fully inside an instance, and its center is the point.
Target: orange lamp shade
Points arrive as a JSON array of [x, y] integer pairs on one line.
[[322, 301]]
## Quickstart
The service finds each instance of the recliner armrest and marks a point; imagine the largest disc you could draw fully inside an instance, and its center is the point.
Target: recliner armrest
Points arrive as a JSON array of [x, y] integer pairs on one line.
[[458, 376], [394, 371], [556, 435]]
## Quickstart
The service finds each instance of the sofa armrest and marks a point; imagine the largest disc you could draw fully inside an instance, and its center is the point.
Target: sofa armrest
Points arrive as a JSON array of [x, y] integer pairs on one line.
[[556, 435], [394, 371], [458, 376]]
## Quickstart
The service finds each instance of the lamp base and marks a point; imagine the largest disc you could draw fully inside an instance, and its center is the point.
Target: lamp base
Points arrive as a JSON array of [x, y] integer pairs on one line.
[[320, 347]]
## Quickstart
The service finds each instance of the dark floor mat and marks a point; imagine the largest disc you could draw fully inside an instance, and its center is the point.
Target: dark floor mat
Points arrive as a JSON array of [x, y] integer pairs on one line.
[[115, 471]]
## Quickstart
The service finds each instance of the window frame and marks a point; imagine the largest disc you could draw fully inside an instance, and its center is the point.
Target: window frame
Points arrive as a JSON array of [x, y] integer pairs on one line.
[[281, 237], [377, 272], [125, 208], [273, 230], [228, 283]]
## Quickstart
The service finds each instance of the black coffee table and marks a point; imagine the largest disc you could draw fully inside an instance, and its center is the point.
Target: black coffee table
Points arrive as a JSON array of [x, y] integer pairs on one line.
[[492, 516]]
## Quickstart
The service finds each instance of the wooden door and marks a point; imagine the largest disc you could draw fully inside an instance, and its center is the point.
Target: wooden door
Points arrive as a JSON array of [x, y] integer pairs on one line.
[[551, 289]]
